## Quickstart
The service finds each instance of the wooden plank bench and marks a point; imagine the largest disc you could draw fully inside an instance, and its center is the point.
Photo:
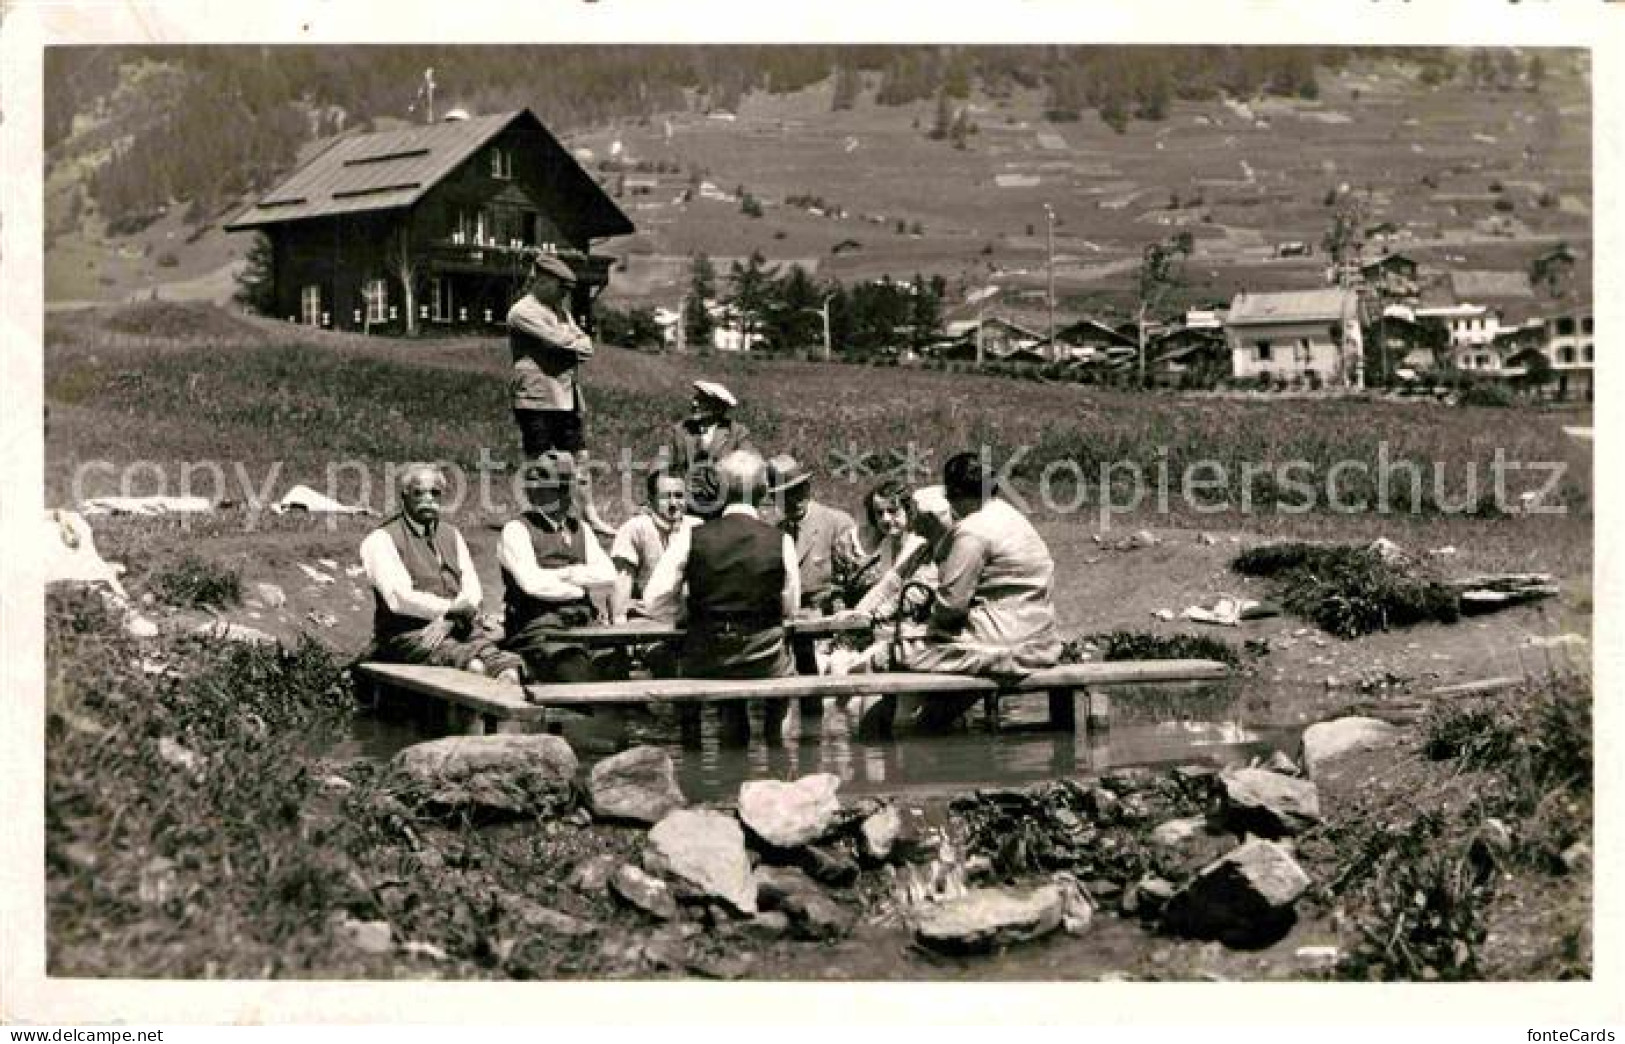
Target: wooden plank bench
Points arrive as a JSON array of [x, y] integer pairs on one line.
[[494, 702], [474, 704]]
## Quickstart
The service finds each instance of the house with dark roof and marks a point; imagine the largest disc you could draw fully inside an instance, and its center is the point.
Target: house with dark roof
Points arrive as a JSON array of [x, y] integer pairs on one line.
[[1391, 276], [1297, 334], [431, 225]]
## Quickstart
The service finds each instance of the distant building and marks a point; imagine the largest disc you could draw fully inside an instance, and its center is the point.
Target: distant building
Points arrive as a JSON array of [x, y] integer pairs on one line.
[[1391, 277], [441, 215], [1296, 334], [1090, 339], [727, 331]]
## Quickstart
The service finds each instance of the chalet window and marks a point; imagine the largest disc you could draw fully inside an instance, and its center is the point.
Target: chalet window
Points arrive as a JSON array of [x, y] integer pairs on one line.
[[1587, 325], [1302, 354], [1565, 327], [1585, 353], [510, 225], [474, 226], [440, 300], [1565, 355], [502, 164], [310, 305], [1263, 351], [376, 293]]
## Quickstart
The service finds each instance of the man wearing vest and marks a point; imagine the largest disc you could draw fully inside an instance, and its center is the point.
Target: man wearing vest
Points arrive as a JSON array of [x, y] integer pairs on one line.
[[550, 562], [426, 595], [736, 578]]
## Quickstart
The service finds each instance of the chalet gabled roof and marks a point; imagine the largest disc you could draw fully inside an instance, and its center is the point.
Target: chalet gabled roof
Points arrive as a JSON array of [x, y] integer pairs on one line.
[[393, 169], [1292, 306], [1081, 330]]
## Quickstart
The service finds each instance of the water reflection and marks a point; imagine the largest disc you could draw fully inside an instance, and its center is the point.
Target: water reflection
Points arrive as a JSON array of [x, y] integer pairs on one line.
[[1160, 731]]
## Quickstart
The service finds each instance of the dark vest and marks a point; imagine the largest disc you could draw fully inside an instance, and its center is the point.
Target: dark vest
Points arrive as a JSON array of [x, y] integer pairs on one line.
[[554, 549], [736, 572], [435, 575]]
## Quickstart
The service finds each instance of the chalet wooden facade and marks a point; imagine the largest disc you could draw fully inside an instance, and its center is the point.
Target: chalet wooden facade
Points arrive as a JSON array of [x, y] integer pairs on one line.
[[429, 227]]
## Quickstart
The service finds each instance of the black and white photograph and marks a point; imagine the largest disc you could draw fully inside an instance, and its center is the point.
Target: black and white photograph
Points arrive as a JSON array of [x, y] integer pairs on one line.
[[822, 509]]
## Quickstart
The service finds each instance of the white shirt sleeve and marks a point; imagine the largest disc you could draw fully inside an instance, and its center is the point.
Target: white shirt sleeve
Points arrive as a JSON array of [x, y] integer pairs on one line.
[[624, 550], [792, 578], [518, 557], [663, 595], [389, 578], [598, 569]]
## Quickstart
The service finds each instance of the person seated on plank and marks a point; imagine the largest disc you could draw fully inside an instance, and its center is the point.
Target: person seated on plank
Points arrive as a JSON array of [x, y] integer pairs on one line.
[[872, 563], [735, 579], [550, 563], [642, 539], [426, 594], [991, 612]]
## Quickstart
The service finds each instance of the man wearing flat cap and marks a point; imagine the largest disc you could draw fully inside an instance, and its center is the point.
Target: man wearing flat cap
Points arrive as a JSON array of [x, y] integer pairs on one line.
[[701, 439], [551, 562], [548, 350]]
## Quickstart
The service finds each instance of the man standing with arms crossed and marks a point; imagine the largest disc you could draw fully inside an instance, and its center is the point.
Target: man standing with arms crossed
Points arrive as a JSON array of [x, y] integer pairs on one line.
[[548, 349]]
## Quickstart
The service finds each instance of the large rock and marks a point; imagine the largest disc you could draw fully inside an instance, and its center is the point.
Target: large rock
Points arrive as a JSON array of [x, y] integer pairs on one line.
[[1243, 899], [518, 774], [789, 815], [706, 850], [813, 915], [638, 784], [878, 833], [1329, 740], [1268, 803], [988, 918]]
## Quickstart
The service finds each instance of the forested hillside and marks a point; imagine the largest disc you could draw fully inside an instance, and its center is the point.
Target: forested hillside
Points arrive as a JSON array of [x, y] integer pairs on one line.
[[204, 125]]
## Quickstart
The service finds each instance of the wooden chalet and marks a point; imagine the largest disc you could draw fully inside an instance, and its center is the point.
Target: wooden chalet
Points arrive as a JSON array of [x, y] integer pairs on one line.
[[430, 226]]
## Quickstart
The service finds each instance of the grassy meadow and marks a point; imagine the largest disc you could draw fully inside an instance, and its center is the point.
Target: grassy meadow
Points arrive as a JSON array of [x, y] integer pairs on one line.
[[271, 405]]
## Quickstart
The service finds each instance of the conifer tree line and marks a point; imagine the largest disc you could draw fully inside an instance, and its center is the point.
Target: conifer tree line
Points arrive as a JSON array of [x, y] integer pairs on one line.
[[780, 309], [223, 121]]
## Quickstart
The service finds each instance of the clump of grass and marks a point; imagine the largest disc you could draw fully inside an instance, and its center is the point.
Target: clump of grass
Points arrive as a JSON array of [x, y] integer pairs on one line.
[[1423, 887], [195, 584], [1145, 645], [1348, 590]]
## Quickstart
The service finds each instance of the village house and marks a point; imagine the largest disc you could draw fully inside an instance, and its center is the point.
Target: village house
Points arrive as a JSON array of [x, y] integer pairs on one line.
[[1313, 335], [728, 333], [990, 339], [1571, 349], [1089, 339], [431, 225], [1391, 277]]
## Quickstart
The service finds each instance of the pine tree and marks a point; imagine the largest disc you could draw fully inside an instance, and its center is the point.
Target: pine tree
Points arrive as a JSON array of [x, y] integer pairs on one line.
[[943, 122], [702, 288]]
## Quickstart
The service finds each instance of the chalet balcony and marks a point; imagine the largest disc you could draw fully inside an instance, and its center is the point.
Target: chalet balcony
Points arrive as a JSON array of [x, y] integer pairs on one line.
[[455, 255]]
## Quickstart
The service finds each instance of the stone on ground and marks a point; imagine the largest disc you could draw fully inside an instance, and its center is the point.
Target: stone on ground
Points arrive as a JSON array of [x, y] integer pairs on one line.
[[1269, 804], [591, 875], [789, 815], [877, 835], [638, 784], [518, 774], [988, 918], [812, 914], [1328, 741], [644, 891], [1244, 899], [706, 850]]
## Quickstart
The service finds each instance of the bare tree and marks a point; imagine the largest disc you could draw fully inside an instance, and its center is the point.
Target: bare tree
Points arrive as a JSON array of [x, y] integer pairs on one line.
[[406, 264]]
